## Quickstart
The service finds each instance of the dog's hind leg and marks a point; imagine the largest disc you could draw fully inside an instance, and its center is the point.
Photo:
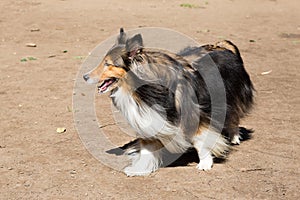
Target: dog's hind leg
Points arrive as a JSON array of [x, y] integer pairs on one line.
[[209, 143], [235, 136], [231, 128], [146, 158], [233, 131]]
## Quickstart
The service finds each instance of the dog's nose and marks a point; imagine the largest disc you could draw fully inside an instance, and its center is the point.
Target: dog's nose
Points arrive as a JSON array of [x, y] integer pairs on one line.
[[86, 77]]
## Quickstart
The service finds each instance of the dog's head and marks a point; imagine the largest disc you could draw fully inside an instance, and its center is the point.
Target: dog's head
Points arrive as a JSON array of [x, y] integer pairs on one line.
[[116, 63]]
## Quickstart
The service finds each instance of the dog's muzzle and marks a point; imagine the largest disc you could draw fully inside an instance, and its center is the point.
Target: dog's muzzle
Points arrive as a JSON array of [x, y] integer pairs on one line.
[[89, 79]]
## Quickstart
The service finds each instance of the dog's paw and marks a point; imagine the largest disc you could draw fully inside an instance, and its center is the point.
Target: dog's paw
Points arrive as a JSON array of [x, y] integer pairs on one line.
[[144, 162], [236, 140], [133, 171], [205, 163]]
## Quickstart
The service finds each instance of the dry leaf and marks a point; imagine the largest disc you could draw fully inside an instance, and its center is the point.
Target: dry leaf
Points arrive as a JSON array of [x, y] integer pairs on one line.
[[267, 72], [30, 45]]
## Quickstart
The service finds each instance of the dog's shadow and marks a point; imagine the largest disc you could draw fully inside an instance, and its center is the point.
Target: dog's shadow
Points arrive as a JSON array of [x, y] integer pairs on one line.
[[170, 159], [184, 159]]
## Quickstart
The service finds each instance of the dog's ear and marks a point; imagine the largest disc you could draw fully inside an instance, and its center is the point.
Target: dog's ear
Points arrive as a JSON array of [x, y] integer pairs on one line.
[[122, 37], [134, 45]]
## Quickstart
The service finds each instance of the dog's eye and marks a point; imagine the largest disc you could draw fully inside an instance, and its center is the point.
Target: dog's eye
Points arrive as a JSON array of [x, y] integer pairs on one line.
[[109, 64]]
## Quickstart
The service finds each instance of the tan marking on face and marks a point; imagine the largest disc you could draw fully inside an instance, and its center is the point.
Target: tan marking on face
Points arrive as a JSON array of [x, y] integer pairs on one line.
[[96, 72], [106, 69], [112, 71]]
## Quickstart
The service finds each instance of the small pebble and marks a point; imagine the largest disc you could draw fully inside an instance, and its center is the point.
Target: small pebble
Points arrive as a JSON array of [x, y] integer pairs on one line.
[[34, 29], [61, 130], [243, 169], [26, 184]]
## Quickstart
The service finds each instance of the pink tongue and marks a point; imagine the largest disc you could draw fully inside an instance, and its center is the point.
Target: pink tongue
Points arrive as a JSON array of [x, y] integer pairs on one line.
[[105, 86]]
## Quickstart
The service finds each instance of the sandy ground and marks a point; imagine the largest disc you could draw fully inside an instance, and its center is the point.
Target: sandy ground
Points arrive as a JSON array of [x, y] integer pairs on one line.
[[36, 97]]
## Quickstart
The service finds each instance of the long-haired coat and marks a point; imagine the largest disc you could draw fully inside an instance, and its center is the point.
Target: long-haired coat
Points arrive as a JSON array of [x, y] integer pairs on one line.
[[171, 99]]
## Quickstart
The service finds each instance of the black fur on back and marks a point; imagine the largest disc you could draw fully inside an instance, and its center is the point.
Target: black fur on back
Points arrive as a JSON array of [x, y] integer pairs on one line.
[[239, 89], [237, 83]]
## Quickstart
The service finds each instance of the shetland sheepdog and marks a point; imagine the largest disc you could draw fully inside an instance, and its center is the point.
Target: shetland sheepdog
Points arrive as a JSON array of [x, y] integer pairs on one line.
[[176, 101]]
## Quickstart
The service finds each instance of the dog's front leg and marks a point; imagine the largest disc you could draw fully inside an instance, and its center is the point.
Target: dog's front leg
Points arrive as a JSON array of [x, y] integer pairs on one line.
[[146, 158]]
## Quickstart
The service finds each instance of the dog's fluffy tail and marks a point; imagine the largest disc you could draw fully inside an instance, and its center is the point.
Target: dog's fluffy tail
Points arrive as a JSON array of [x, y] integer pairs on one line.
[[226, 44]]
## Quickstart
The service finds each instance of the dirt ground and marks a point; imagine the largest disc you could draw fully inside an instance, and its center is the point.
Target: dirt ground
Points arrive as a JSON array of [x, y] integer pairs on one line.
[[36, 97]]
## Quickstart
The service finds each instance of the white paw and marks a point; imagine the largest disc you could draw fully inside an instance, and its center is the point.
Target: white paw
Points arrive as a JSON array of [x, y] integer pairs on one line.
[[133, 171], [236, 139], [205, 163], [143, 163]]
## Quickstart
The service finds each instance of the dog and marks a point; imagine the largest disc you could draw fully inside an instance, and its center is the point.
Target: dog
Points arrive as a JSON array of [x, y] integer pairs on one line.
[[176, 101]]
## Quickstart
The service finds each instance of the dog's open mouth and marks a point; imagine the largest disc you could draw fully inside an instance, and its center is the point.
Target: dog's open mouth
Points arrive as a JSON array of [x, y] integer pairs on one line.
[[104, 85]]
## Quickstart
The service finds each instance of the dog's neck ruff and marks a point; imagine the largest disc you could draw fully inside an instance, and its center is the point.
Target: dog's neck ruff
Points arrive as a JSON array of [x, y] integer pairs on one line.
[[148, 122], [144, 119]]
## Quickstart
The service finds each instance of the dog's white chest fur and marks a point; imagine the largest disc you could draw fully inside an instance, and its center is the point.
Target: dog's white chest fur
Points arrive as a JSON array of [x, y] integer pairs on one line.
[[148, 123]]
